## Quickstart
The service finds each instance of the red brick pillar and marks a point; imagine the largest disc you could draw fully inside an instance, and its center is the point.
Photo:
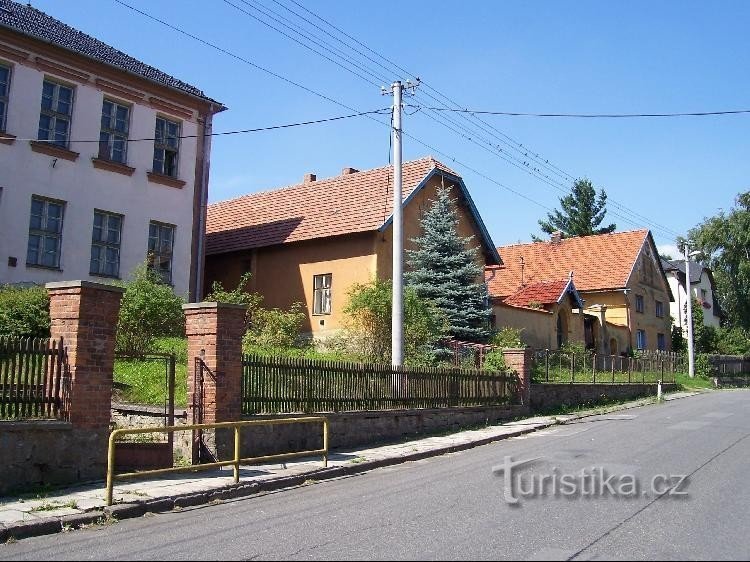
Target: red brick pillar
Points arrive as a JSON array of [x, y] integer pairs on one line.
[[85, 315], [519, 360], [214, 333]]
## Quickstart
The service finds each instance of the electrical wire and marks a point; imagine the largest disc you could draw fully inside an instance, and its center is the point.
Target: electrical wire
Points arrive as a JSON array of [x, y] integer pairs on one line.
[[383, 111], [593, 115]]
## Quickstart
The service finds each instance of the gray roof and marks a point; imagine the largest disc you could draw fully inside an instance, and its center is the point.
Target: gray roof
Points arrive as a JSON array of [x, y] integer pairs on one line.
[[696, 269], [35, 23]]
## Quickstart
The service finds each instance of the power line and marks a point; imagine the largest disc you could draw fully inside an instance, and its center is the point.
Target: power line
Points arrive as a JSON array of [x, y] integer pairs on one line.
[[235, 132], [592, 115]]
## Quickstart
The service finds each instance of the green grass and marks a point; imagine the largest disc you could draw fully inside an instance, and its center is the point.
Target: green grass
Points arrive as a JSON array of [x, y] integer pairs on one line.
[[144, 382], [563, 375], [696, 382]]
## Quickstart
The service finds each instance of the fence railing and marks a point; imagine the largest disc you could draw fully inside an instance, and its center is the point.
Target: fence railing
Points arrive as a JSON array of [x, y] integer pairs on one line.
[[729, 365], [273, 385], [33, 379], [562, 366]]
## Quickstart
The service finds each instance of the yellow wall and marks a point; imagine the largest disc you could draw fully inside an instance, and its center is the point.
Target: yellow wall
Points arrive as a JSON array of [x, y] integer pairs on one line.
[[539, 327]]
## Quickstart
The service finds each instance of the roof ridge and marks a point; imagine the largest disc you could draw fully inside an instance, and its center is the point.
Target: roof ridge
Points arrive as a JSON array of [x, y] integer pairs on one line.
[[563, 240], [316, 182]]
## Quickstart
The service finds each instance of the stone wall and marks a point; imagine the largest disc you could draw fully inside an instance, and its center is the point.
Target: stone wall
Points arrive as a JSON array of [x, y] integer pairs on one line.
[[353, 429], [732, 382], [36, 453], [546, 396]]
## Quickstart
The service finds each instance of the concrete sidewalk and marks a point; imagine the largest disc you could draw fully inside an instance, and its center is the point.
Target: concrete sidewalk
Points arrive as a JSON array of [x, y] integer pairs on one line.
[[74, 507]]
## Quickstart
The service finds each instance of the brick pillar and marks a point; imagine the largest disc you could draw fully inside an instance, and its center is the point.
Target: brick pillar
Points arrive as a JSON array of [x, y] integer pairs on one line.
[[85, 315], [214, 333], [519, 360]]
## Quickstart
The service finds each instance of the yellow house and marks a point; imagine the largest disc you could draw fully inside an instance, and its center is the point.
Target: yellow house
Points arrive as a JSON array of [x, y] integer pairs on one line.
[[619, 276], [313, 241]]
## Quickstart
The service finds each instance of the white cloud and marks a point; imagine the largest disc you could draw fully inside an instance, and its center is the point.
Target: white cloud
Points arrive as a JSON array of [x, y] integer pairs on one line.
[[669, 250]]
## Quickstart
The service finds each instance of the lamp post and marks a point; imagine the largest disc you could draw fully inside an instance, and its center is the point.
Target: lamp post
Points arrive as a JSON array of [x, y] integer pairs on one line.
[[688, 289]]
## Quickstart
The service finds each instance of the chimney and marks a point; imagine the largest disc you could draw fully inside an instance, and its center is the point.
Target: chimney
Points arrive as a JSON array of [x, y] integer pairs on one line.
[[556, 237], [348, 171], [309, 178]]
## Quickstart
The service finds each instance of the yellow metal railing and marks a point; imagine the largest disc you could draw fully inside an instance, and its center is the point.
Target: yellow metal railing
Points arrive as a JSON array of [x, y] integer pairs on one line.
[[235, 462]]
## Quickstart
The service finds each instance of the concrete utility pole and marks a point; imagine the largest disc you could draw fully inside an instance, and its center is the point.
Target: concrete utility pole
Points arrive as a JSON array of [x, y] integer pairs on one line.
[[691, 351], [397, 312]]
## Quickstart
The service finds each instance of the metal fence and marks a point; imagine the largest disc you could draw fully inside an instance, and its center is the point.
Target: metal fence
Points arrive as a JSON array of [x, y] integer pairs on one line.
[[34, 381], [564, 366], [273, 385], [729, 365]]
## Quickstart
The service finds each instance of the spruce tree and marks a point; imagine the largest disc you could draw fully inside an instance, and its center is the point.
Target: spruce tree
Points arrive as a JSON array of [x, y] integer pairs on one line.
[[445, 270], [581, 213]]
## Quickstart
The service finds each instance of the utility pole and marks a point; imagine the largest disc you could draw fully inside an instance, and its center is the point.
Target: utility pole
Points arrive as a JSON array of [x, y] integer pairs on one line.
[[397, 311], [691, 349]]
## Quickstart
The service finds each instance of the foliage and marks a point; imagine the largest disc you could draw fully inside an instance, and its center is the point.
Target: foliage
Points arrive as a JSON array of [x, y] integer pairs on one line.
[[238, 295], [143, 381], [369, 324], [703, 366], [149, 309], [724, 245], [581, 212], [733, 341], [445, 270], [704, 337], [174, 345], [24, 312], [507, 337], [679, 343], [274, 328], [495, 361]]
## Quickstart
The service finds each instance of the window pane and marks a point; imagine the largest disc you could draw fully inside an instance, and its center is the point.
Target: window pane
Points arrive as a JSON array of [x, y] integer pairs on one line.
[[170, 163], [94, 265], [45, 124], [32, 255]]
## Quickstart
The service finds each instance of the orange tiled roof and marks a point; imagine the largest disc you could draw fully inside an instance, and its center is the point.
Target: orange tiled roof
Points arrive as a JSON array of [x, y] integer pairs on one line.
[[598, 262], [544, 292], [345, 204]]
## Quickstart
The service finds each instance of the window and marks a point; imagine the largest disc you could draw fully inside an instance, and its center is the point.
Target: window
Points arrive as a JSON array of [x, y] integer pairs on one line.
[[45, 233], [4, 91], [113, 138], [704, 295], [57, 107], [166, 145], [105, 244], [322, 294], [661, 342], [639, 303], [640, 339], [659, 309], [160, 244]]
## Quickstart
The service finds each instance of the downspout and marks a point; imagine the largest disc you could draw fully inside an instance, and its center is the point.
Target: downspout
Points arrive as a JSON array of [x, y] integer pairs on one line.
[[200, 253]]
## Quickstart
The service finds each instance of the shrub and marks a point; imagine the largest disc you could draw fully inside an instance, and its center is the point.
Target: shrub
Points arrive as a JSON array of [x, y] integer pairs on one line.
[[24, 312], [369, 324], [495, 361], [149, 310], [274, 328], [703, 366], [508, 337], [238, 295]]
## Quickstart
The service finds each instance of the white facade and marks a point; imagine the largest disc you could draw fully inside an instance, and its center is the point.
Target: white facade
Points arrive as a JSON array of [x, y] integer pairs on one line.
[[702, 291], [84, 188]]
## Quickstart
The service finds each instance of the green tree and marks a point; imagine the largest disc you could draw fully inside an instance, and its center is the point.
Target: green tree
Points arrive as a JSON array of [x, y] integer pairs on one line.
[[369, 324], [724, 244], [445, 270], [581, 213], [149, 310]]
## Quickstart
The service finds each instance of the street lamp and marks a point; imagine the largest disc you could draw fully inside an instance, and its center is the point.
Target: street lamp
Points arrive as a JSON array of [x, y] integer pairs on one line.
[[691, 347]]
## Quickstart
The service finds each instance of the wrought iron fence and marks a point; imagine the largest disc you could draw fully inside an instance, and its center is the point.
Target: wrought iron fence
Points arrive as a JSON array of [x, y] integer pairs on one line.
[[286, 385], [34, 381], [565, 366]]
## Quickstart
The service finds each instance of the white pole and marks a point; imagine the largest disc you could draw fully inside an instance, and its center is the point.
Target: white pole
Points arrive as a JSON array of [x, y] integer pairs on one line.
[[397, 315], [691, 351]]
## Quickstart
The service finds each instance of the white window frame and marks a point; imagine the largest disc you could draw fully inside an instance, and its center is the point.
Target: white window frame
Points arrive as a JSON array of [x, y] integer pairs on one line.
[[161, 251], [106, 244], [640, 339], [56, 115], [322, 294], [45, 233], [111, 134], [165, 145], [4, 97]]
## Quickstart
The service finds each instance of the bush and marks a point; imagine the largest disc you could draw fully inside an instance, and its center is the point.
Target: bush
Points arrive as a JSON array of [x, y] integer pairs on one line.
[[495, 361], [149, 310], [703, 366], [24, 312], [508, 337], [238, 295], [274, 328], [369, 324]]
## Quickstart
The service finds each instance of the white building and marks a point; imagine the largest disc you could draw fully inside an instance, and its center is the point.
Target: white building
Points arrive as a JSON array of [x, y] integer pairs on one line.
[[81, 196], [702, 286]]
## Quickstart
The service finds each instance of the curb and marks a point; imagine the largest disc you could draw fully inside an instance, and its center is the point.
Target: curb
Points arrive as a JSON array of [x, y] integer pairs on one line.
[[51, 525]]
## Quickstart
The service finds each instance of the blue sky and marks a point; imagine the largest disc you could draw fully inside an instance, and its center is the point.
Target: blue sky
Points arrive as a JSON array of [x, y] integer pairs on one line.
[[566, 57]]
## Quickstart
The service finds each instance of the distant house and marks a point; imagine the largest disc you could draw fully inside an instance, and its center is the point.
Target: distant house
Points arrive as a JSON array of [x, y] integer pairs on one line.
[[618, 277], [313, 241], [78, 198], [703, 288]]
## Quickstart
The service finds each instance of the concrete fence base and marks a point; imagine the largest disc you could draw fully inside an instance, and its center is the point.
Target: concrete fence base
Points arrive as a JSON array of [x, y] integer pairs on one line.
[[546, 396]]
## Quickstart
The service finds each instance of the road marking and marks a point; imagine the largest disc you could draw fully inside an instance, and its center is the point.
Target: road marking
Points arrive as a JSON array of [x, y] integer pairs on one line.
[[689, 425]]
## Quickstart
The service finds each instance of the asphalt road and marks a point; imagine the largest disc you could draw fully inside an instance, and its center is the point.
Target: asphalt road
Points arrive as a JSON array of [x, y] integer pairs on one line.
[[454, 507]]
